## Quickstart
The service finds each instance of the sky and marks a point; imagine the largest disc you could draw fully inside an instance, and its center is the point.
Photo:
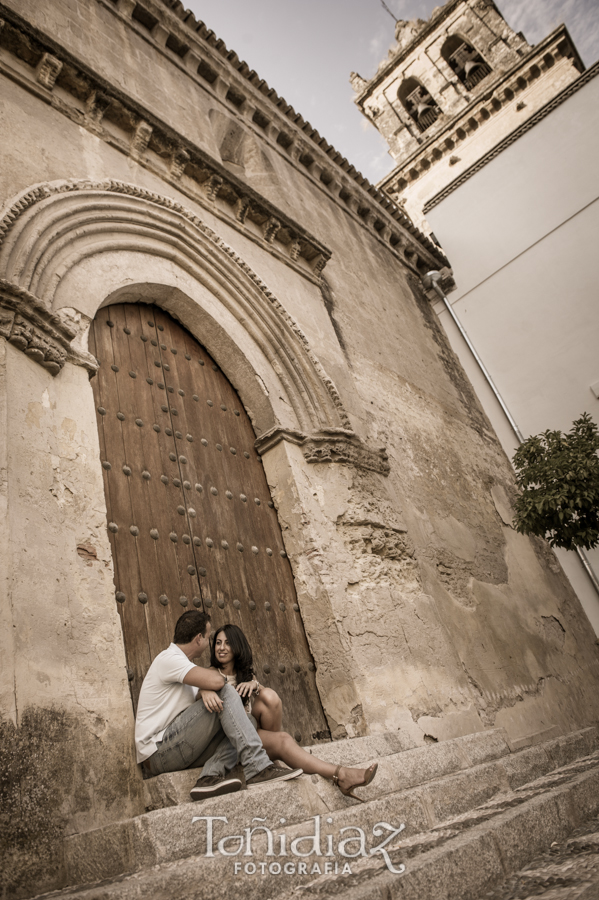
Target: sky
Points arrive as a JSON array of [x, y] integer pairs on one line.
[[306, 51]]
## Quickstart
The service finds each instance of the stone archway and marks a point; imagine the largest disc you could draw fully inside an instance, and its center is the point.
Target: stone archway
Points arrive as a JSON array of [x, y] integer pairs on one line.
[[52, 240], [67, 249]]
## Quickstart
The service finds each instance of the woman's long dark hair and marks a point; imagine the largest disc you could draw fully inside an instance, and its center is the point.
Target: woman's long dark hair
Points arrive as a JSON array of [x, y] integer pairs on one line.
[[243, 662]]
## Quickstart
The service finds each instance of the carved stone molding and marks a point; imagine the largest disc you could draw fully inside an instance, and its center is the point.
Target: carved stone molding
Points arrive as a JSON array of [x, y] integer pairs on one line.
[[141, 137], [111, 100], [213, 186], [242, 208], [320, 263], [96, 105], [271, 228], [179, 160], [318, 403], [42, 335], [331, 445], [48, 70]]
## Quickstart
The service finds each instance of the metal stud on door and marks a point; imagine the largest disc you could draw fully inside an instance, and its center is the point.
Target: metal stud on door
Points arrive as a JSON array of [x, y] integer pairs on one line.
[[191, 521]]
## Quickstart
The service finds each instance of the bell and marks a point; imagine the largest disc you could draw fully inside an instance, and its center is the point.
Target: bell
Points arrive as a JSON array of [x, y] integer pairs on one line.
[[471, 64], [422, 108]]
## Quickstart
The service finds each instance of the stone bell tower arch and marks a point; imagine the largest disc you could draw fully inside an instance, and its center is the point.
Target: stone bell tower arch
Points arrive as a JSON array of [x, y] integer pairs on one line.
[[452, 88]]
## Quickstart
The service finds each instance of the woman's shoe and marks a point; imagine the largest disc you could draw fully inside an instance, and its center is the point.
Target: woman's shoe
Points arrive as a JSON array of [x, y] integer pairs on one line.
[[348, 792]]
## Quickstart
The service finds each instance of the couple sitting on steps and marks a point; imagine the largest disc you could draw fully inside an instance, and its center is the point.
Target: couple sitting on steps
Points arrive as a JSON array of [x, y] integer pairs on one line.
[[191, 716]]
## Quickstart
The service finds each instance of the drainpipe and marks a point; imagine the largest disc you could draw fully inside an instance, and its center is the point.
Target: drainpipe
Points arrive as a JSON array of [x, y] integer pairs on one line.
[[432, 280]]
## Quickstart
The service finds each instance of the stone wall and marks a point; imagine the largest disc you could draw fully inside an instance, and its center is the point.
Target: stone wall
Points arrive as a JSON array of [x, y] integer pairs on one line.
[[424, 610]]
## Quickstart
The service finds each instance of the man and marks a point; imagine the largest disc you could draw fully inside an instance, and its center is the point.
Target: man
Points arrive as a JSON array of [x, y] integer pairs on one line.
[[174, 731]]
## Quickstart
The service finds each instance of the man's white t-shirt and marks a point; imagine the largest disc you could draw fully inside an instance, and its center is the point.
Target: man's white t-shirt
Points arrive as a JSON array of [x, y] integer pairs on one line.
[[162, 697]]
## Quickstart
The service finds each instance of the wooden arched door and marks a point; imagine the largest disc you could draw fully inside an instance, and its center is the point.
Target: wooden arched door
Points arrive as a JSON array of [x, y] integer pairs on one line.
[[190, 517]]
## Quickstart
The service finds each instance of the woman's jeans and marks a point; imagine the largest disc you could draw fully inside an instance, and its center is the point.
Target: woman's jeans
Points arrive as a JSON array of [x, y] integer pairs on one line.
[[189, 735]]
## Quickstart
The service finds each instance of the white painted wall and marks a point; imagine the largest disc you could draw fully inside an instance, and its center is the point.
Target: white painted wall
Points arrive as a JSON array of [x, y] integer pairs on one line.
[[521, 235]]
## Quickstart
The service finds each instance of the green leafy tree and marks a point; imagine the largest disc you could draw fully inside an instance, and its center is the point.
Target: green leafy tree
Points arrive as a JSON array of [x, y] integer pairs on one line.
[[559, 477]]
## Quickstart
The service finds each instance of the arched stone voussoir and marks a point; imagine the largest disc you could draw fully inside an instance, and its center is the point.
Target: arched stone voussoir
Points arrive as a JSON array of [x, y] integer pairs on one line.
[[72, 245]]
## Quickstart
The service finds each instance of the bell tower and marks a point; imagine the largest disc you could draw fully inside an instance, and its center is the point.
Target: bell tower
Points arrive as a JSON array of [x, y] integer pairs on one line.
[[452, 88]]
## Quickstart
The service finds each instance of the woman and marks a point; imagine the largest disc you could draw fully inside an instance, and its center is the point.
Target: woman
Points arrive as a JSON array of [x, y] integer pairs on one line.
[[232, 655]]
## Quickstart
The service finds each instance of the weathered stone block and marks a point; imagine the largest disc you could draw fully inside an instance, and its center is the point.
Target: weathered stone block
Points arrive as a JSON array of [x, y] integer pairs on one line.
[[423, 764], [169, 789], [483, 746], [570, 747], [463, 871], [521, 837], [583, 797], [356, 751], [537, 737], [166, 834], [526, 766], [459, 793]]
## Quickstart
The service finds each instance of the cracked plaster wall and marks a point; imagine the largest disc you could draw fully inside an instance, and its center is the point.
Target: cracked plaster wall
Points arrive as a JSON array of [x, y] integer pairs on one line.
[[66, 721]]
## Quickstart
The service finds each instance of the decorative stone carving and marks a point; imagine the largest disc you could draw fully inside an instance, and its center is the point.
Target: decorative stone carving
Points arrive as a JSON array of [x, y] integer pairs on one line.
[[141, 137], [96, 105], [357, 82], [271, 228], [242, 208], [295, 249], [28, 325], [345, 450], [179, 160], [213, 186], [297, 149], [48, 70], [325, 407], [369, 216], [321, 262], [332, 445], [7, 317], [98, 102], [406, 32], [411, 254]]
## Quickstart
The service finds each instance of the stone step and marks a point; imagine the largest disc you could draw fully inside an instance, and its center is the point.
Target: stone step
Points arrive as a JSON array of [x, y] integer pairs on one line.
[[164, 833], [566, 870], [465, 858], [460, 855], [422, 787], [173, 788]]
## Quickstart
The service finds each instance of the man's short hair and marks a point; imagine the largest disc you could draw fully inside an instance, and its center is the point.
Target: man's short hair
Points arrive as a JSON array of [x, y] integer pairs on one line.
[[189, 625]]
